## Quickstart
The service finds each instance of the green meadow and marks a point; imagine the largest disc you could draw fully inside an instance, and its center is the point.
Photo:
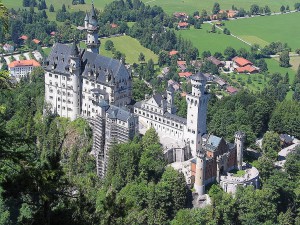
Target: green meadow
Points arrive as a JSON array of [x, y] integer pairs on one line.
[[190, 6], [214, 42], [266, 29]]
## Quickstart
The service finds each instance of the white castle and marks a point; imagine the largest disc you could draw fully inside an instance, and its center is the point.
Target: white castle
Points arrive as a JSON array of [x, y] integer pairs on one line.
[[82, 83]]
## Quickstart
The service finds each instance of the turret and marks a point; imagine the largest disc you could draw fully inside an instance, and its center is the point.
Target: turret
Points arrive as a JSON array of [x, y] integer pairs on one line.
[[200, 170], [92, 41], [170, 99], [239, 142], [74, 58], [86, 21], [198, 82]]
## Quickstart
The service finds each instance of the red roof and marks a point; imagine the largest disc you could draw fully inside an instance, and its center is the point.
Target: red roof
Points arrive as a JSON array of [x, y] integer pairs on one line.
[[241, 61], [113, 25], [183, 24], [21, 63], [185, 74], [231, 90], [53, 33], [246, 69], [173, 52], [23, 37], [181, 63], [36, 41]]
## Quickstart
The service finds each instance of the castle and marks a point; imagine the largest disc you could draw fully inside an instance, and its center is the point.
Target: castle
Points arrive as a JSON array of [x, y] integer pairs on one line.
[[82, 83]]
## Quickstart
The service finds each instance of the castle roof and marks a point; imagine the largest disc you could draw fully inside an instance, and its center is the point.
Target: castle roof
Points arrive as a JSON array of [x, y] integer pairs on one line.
[[92, 63], [212, 142], [74, 49], [118, 113], [92, 17]]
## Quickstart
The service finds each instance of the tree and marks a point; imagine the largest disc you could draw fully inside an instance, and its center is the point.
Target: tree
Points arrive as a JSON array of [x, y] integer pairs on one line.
[[263, 66], [296, 94], [229, 53], [284, 59], [206, 54], [267, 10], [271, 144], [216, 8], [51, 8], [282, 9], [213, 28], [4, 16], [254, 9], [109, 45], [63, 8], [141, 57], [162, 58]]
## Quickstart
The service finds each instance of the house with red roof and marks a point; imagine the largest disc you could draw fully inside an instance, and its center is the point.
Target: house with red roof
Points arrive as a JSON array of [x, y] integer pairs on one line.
[[181, 65], [231, 90], [181, 15], [53, 33], [36, 41], [113, 25], [23, 37], [240, 61], [21, 68], [183, 25], [173, 52], [247, 69], [185, 74]]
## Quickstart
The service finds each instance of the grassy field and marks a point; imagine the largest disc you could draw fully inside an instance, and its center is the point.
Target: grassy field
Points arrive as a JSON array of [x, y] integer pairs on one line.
[[265, 29], [214, 42], [131, 49], [190, 6]]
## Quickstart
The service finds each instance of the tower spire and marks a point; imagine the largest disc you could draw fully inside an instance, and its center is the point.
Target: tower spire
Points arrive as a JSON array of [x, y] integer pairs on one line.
[[92, 28]]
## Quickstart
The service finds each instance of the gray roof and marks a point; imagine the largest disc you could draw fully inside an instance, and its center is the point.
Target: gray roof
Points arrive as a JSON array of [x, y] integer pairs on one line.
[[175, 118], [158, 98], [103, 66], [74, 49], [93, 18], [92, 63], [115, 112], [198, 77], [98, 91], [86, 17], [170, 88], [213, 142]]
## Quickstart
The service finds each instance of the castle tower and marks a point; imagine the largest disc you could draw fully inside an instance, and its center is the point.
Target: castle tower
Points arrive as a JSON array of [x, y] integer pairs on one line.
[[86, 21], [239, 142], [92, 42], [74, 83], [199, 184], [170, 99], [196, 111]]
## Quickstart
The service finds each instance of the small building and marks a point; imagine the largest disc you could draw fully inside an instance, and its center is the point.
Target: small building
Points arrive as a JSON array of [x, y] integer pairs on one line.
[[113, 25], [183, 25], [21, 68], [208, 77], [181, 65], [181, 15], [185, 74], [286, 140], [173, 52], [165, 71], [36, 41], [53, 33], [23, 37], [196, 63], [215, 61], [220, 82], [8, 48], [231, 90], [247, 69], [241, 62], [174, 84]]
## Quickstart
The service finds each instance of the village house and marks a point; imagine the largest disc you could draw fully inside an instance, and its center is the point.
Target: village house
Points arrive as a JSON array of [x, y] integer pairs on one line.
[[220, 82], [113, 25], [21, 68], [215, 61], [8, 48], [165, 71], [174, 84], [181, 65], [286, 140], [231, 90], [181, 15], [183, 25], [185, 74], [173, 52], [242, 65], [36, 41]]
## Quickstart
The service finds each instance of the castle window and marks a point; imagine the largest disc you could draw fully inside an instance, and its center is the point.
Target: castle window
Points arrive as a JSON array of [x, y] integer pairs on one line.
[[58, 106], [50, 74], [87, 82], [51, 97], [63, 78], [56, 76], [69, 79]]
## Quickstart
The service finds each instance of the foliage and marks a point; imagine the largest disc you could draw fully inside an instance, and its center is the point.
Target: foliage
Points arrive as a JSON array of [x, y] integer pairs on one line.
[[271, 144], [284, 59]]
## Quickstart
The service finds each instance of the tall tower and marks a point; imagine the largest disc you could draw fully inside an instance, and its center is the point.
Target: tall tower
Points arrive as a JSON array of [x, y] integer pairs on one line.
[[170, 99], [196, 111], [199, 184], [239, 142], [75, 81], [92, 42]]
